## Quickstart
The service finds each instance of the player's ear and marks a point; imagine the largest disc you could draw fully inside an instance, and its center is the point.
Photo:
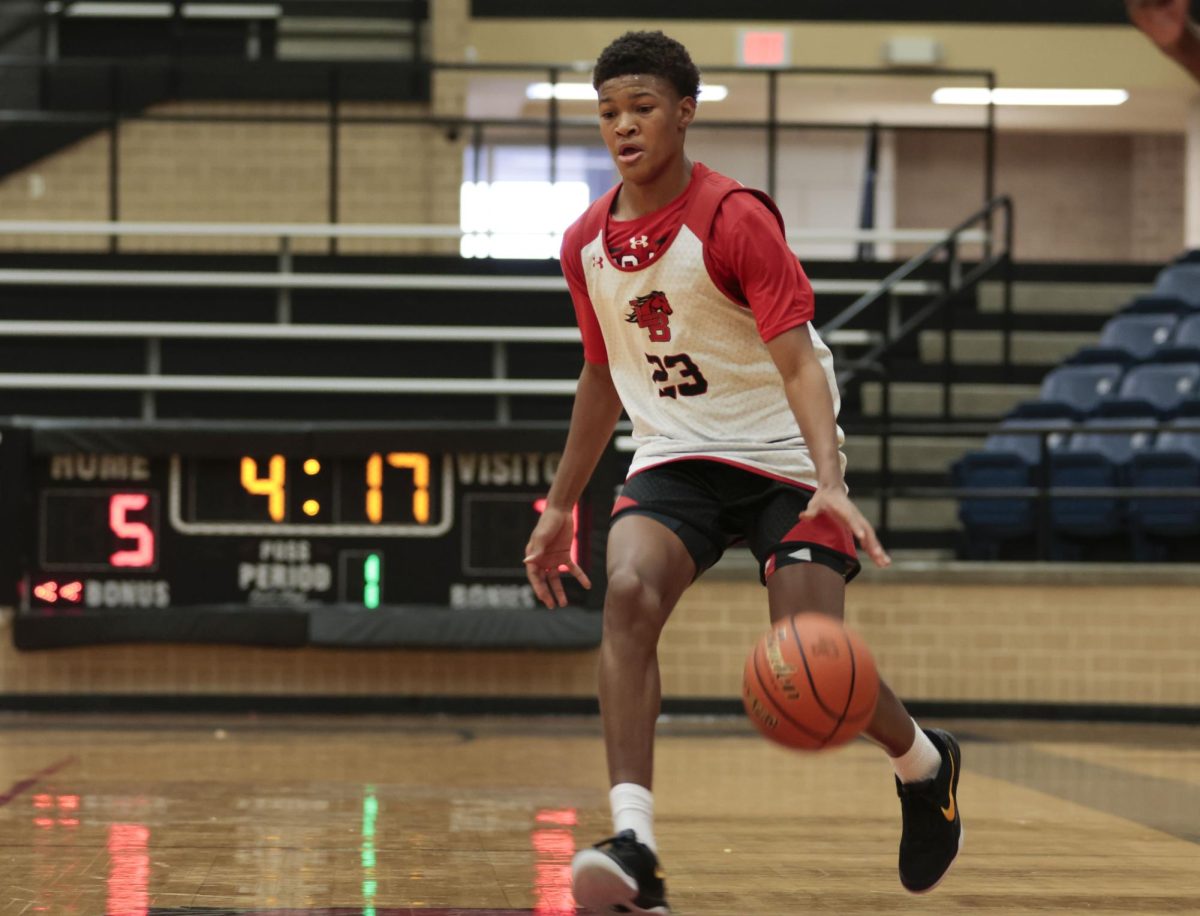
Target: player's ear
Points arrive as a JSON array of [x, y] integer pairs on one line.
[[687, 111]]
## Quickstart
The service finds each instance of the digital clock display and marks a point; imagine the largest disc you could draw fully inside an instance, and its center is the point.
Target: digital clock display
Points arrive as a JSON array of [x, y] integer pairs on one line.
[[366, 535], [386, 492]]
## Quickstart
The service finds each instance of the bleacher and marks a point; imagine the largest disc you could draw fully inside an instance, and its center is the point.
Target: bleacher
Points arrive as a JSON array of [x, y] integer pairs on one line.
[[1121, 414]]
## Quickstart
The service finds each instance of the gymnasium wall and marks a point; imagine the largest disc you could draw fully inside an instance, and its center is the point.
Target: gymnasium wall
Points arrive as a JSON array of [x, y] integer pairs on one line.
[[1085, 196], [1094, 197], [987, 635], [1079, 197], [1063, 56]]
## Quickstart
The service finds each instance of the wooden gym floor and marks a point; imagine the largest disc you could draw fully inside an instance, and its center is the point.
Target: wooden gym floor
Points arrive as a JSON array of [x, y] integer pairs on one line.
[[135, 816]]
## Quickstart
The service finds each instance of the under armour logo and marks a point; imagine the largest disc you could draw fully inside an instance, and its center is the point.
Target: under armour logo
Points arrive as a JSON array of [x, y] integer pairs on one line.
[[597, 261], [639, 241]]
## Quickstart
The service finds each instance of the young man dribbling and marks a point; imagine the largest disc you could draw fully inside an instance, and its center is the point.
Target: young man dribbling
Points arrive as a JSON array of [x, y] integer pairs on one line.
[[696, 319]]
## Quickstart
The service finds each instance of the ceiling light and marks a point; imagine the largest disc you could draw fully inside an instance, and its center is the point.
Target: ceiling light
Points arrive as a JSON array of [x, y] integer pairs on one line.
[[979, 95], [583, 92]]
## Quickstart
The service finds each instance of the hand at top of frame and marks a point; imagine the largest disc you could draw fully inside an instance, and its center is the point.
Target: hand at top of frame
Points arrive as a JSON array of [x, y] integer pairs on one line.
[[1164, 21], [838, 504]]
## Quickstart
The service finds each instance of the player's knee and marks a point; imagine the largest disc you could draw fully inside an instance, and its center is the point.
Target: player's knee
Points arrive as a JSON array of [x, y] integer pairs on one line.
[[632, 605]]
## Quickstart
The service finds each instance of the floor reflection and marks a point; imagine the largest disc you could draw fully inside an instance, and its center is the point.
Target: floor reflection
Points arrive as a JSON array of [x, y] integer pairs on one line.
[[413, 818]]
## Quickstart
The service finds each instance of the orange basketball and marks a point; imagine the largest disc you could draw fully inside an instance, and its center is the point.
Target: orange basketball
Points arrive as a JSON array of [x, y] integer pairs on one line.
[[810, 683]]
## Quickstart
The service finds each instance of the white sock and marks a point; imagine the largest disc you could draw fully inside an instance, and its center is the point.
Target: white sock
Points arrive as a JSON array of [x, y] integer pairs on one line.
[[633, 809], [920, 762]]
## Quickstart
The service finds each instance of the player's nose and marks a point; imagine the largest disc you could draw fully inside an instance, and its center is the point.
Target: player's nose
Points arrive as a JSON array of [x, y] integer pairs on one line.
[[626, 125]]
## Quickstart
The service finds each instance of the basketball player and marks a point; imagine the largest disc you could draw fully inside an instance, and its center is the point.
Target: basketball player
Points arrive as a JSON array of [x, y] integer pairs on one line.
[[1169, 26], [696, 318]]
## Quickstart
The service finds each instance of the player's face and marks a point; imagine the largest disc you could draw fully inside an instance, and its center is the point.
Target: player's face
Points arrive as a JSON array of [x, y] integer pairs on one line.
[[643, 121]]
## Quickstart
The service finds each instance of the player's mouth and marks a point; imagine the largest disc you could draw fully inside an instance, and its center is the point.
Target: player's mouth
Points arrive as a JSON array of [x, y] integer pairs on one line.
[[629, 153]]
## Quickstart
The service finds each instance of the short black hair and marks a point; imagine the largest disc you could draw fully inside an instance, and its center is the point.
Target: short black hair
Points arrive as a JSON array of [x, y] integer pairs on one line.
[[649, 52]]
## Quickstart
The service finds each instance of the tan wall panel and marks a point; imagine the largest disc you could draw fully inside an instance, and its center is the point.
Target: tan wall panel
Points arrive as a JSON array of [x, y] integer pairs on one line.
[[1107, 643], [247, 171], [1157, 197], [71, 185], [1065, 56], [1094, 197]]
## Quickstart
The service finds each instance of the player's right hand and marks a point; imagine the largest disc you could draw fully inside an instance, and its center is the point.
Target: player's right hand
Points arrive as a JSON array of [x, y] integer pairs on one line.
[[548, 555]]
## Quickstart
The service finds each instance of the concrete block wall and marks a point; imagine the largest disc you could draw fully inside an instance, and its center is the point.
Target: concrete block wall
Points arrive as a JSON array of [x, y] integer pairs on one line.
[[956, 638], [246, 171], [1079, 197]]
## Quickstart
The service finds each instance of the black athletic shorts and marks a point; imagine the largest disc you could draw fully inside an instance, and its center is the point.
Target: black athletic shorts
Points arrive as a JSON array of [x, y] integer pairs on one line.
[[712, 505]]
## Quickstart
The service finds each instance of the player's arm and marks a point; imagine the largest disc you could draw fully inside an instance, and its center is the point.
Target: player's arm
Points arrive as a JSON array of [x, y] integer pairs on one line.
[[1169, 26], [593, 418], [809, 397], [753, 264]]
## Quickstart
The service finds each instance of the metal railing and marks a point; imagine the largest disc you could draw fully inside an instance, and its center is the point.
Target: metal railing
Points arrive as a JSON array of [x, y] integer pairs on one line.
[[958, 278]]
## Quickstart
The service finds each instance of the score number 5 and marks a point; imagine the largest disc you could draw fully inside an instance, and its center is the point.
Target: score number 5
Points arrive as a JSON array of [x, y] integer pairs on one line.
[[274, 485]]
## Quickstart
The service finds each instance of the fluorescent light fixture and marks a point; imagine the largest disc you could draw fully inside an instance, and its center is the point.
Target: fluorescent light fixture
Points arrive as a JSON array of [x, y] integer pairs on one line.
[[583, 92], [115, 10], [166, 10], [232, 10], [979, 95]]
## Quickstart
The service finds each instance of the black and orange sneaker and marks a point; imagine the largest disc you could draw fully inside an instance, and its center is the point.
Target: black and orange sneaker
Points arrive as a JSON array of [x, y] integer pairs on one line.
[[933, 832], [620, 875]]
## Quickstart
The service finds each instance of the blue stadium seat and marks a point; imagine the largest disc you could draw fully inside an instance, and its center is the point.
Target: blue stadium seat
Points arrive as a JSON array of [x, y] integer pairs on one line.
[[1073, 391], [1153, 304], [1116, 438], [1181, 281], [1159, 388], [1185, 345], [1008, 460], [1130, 338], [1028, 445], [1096, 456], [1173, 462]]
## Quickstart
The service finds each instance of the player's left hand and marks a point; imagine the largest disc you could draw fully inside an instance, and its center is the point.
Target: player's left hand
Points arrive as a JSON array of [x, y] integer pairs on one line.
[[838, 504]]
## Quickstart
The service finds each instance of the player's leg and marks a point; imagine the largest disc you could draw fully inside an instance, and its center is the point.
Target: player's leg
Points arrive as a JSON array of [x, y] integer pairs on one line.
[[652, 558], [648, 569], [806, 568], [812, 587]]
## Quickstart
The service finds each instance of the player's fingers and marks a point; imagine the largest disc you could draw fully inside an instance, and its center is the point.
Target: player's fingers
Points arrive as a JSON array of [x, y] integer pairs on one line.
[[579, 574], [536, 575], [874, 549], [556, 586]]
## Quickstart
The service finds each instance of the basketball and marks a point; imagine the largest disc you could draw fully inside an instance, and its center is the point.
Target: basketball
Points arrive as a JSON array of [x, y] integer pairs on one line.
[[810, 683]]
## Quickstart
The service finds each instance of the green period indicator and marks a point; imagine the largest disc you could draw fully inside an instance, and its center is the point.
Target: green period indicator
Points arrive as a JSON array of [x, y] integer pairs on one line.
[[372, 580]]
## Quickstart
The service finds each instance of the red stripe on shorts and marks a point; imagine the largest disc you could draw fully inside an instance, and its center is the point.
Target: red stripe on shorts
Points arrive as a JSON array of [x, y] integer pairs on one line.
[[623, 503], [825, 530]]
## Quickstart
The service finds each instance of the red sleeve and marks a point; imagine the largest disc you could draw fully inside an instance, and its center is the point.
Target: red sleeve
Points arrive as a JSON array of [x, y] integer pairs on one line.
[[750, 261], [594, 350]]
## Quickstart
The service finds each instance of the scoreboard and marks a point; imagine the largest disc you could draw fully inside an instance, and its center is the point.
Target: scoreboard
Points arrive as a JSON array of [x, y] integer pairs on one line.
[[289, 534]]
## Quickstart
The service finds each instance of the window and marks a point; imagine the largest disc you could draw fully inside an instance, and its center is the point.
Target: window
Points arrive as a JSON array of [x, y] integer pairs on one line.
[[512, 210]]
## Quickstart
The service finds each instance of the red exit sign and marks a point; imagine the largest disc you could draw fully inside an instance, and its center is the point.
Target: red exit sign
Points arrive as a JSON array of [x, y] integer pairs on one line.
[[764, 48]]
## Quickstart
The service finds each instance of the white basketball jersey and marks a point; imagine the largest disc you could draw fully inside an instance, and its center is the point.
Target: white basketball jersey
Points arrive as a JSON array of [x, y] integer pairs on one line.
[[688, 362]]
